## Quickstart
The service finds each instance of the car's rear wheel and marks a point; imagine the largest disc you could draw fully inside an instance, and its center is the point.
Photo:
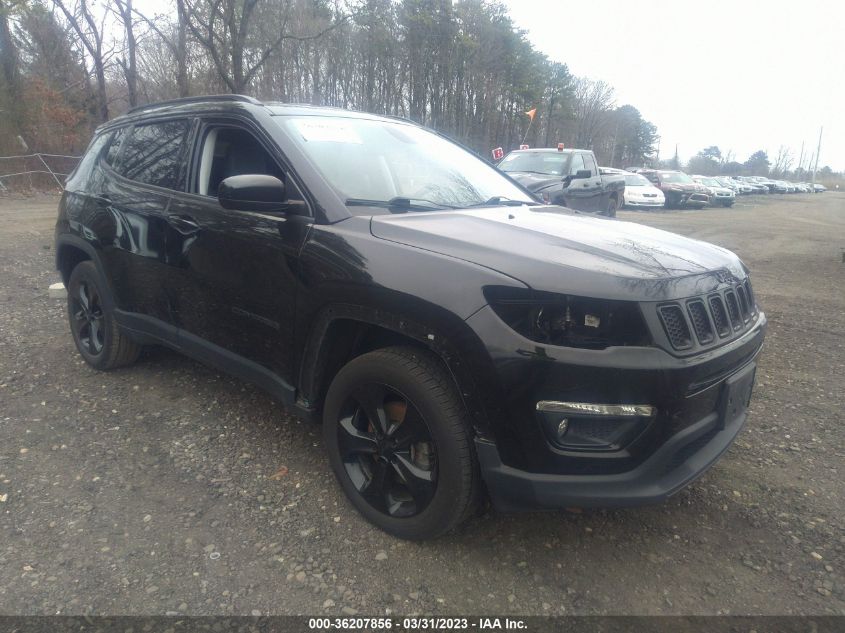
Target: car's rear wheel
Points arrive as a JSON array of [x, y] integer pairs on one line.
[[92, 324], [612, 206], [400, 444]]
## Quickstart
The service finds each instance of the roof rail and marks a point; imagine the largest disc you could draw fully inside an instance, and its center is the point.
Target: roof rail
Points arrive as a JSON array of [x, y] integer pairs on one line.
[[197, 99]]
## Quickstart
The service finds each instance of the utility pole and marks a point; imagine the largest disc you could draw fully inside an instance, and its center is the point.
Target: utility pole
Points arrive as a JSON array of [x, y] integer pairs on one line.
[[818, 151], [801, 157]]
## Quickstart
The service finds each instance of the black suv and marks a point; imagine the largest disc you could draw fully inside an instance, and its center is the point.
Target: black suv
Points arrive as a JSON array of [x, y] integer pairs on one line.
[[458, 341]]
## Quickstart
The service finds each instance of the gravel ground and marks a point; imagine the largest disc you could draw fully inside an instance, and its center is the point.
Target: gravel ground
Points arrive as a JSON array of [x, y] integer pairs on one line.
[[169, 488]]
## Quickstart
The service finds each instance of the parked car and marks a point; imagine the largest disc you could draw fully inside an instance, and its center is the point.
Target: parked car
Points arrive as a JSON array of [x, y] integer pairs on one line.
[[756, 187], [779, 186], [744, 187], [719, 195], [819, 188], [679, 189], [730, 183], [455, 338], [566, 177], [641, 194], [763, 182]]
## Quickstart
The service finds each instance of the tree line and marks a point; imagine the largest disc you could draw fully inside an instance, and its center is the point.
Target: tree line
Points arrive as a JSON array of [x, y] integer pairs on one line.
[[711, 161], [461, 67]]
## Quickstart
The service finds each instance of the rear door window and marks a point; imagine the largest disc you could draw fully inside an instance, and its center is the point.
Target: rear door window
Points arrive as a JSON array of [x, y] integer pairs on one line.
[[154, 154]]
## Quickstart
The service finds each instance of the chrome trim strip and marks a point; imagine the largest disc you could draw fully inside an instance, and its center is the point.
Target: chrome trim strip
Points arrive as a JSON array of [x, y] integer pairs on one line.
[[608, 410]]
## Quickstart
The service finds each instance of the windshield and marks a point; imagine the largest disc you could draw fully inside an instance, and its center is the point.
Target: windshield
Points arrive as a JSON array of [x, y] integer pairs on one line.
[[710, 182], [675, 176], [635, 180], [370, 160], [551, 164]]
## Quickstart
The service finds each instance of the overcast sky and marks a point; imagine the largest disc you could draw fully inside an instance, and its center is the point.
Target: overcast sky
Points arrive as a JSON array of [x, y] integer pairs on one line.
[[739, 74]]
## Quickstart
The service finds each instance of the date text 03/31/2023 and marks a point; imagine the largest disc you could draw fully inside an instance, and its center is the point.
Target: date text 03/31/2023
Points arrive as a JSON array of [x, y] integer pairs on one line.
[[416, 623]]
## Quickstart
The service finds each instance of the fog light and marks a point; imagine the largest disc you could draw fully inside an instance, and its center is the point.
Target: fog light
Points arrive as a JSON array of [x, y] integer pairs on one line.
[[606, 410], [562, 428]]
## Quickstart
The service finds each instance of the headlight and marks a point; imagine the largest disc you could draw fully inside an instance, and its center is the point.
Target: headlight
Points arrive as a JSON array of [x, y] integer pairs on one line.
[[568, 321]]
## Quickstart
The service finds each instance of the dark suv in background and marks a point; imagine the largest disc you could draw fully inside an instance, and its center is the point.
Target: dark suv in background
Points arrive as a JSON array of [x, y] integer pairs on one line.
[[680, 190], [455, 338]]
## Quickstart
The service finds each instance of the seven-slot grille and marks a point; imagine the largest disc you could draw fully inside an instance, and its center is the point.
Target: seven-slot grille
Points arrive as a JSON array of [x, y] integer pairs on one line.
[[710, 318]]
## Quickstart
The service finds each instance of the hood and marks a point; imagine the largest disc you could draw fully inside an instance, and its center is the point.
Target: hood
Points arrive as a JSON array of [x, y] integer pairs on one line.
[[555, 249], [534, 182]]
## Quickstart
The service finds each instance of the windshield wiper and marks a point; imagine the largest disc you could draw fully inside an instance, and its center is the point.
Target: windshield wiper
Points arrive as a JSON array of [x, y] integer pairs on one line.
[[400, 203], [499, 201]]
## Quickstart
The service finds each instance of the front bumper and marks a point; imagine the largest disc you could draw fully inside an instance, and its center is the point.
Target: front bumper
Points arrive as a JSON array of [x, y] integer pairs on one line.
[[616, 462], [644, 204], [686, 198], [676, 464]]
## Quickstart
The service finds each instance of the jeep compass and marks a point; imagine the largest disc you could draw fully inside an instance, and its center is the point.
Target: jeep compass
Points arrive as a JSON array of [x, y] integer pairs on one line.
[[457, 340]]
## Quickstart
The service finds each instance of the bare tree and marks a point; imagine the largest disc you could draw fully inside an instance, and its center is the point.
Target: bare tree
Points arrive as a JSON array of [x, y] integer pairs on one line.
[[783, 161], [128, 63], [9, 57], [176, 41], [224, 28], [592, 101], [91, 35]]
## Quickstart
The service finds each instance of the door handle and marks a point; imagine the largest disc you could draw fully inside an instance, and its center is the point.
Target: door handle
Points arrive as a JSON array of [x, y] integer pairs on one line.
[[183, 224]]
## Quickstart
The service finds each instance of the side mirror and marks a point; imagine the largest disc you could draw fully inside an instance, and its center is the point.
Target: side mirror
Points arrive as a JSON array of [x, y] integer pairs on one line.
[[252, 192], [581, 174]]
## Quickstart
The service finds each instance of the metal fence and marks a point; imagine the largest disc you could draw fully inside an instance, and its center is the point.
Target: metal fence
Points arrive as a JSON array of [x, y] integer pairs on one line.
[[31, 171]]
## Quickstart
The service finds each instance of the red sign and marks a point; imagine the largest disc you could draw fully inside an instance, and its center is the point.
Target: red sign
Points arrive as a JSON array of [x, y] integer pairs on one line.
[[523, 146], [498, 153]]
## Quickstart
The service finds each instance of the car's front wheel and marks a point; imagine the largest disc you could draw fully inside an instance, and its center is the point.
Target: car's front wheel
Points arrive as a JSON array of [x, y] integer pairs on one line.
[[400, 443], [95, 332]]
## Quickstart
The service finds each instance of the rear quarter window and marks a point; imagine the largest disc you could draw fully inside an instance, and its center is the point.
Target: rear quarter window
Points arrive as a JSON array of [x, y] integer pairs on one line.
[[113, 151], [79, 177], [154, 154]]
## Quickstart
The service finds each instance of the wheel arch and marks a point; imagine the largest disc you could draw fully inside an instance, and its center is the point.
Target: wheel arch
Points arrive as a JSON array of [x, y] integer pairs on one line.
[[343, 332], [70, 252]]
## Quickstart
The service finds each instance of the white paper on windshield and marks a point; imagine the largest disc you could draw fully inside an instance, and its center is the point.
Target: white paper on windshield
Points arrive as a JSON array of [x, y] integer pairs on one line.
[[327, 131]]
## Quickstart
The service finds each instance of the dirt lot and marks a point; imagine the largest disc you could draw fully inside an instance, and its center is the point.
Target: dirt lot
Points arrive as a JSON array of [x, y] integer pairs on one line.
[[150, 489]]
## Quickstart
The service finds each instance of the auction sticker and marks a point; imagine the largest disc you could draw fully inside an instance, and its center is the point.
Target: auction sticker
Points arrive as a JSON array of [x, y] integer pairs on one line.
[[327, 131]]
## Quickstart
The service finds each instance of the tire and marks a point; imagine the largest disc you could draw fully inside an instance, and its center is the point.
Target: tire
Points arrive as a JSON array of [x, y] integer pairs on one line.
[[418, 478], [93, 327], [612, 206]]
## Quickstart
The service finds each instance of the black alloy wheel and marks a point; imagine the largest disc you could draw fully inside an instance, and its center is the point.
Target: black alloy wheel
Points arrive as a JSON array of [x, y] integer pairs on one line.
[[387, 450], [400, 442], [95, 332], [87, 318]]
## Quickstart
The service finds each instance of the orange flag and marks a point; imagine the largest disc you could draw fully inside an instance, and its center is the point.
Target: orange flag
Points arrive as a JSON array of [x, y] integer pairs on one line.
[[531, 113]]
